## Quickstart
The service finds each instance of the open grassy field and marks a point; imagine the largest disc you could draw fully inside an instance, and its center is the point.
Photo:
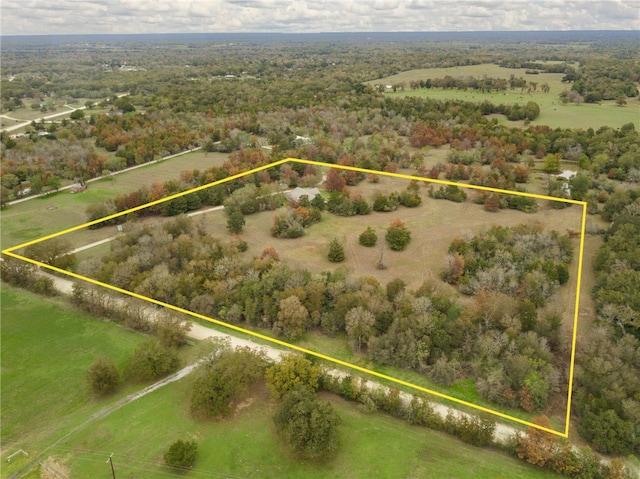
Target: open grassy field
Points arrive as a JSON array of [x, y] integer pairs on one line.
[[46, 351], [552, 111], [373, 445], [434, 224], [49, 214]]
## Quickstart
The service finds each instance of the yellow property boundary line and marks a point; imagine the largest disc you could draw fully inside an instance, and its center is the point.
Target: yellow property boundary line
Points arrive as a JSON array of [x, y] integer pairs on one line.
[[565, 433]]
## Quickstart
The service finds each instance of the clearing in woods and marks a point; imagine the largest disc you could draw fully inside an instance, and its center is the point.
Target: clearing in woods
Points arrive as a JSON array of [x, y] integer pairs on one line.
[[449, 224], [552, 112]]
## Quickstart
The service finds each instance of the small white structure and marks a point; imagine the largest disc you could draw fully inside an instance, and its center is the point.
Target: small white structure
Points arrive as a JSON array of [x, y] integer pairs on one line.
[[566, 175], [295, 194]]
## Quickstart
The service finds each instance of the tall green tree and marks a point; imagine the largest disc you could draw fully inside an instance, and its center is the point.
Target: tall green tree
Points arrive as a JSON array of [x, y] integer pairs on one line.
[[292, 371], [307, 424], [336, 252], [235, 221]]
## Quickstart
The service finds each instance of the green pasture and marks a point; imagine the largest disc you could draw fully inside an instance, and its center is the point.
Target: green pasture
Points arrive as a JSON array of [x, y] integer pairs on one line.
[[245, 445], [49, 214], [552, 112], [47, 348]]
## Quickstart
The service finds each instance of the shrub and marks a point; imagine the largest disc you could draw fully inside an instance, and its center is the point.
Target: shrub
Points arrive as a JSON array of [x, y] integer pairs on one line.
[[172, 331], [471, 429], [103, 377], [287, 225], [422, 414], [449, 192], [181, 454], [410, 199], [398, 236], [368, 237]]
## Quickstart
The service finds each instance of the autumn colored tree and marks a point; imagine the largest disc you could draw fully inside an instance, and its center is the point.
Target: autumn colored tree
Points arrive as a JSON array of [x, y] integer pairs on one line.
[[398, 235], [456, 268], [537, 446], [492, 203], [335, 181]]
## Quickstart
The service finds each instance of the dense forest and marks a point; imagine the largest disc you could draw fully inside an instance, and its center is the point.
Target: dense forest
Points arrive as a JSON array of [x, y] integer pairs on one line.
[[261, 101]]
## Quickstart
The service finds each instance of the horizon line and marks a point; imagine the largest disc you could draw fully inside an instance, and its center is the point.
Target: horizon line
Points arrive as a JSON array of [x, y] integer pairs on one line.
[[349, 32]]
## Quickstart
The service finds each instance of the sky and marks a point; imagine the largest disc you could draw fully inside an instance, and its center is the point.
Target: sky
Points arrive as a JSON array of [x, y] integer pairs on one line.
[[39, 17]]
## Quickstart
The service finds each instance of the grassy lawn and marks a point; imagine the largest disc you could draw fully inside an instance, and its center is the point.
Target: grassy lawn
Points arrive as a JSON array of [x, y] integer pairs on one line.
[[373, 445], [37, 359], [47, 348], [49, 214], [552, 111]]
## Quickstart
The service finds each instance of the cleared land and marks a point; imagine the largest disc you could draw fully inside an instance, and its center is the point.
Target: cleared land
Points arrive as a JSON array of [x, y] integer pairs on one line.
[[46, 351], [44, 363], [552, 112], [433, 225]]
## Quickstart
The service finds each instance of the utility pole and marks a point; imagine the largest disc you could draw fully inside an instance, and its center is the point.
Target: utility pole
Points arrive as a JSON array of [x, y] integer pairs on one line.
[[110, 461]]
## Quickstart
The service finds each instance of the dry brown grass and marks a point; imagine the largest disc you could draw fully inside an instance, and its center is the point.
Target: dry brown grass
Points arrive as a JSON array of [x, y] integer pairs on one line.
[[434, 224]]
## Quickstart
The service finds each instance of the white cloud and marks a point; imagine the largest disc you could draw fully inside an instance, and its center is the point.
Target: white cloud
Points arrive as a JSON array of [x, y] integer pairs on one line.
[[215, 16]]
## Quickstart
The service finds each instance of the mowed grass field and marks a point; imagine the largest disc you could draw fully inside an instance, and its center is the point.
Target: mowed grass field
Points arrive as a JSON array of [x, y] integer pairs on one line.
[[246, 445], [46, 349], [434, 224], [58, 211], [552, 112]]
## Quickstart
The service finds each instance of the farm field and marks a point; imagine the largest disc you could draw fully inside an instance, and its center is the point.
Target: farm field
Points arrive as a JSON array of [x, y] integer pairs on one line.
[[55, 212], [61, 350], [552, 112], [46, 350]]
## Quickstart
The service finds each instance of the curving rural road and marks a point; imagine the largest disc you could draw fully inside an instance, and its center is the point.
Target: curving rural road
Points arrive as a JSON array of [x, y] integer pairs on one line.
[[503, 432]]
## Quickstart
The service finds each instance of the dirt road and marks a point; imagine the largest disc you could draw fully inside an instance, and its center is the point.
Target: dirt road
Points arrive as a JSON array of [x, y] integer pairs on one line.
[[503, 432]]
